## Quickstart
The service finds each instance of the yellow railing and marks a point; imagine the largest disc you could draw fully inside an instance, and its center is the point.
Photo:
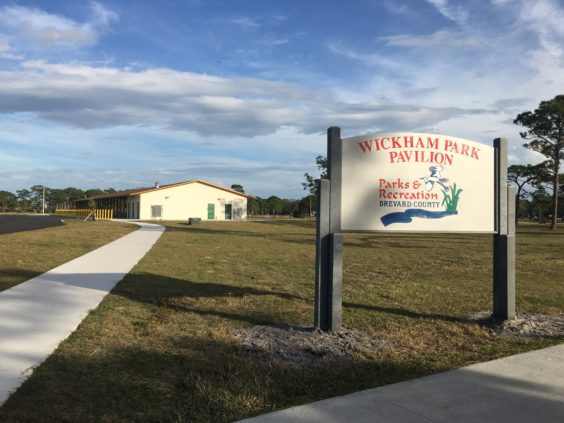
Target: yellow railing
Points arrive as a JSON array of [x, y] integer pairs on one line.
[[98, 214]]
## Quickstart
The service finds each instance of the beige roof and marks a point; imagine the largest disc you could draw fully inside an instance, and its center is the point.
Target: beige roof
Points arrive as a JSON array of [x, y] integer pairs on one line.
[[138, 191]]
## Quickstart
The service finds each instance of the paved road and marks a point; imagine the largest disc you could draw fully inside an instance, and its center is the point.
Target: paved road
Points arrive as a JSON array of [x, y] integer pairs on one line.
[[37, 315], [17, 223]]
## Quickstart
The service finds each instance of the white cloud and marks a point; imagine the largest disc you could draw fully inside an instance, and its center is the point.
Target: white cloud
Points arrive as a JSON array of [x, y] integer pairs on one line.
[[6, 51], [499, 71], [45, 28], [245, 22], [97, 97], [272, 41], [439, 38], [546, 19], [394, 6], [101, 16], [371, 59], [453, 12], [540, 17], [273, 163], [31, 28]]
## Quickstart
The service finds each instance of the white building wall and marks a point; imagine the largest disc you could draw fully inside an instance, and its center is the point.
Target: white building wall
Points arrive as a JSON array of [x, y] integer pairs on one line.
[[191, 200]]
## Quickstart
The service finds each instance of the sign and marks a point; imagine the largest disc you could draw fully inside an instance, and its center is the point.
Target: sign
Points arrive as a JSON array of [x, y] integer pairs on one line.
[[417, 182], [412, 182]]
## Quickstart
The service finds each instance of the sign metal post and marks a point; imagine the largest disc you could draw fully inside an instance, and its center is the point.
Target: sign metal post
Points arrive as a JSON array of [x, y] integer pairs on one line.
[[322, 254], [503, 239], [329, 242]]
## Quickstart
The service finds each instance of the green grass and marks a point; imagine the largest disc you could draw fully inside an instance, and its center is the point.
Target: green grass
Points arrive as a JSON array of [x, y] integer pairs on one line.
[[24, 255], [160, 348]]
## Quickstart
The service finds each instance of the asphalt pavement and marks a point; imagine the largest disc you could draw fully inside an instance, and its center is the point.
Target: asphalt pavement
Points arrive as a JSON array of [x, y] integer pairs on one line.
[[23, 222]]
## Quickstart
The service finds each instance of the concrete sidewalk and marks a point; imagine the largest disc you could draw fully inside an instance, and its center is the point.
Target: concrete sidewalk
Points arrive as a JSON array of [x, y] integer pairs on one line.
[[37, 315], [524, 388]]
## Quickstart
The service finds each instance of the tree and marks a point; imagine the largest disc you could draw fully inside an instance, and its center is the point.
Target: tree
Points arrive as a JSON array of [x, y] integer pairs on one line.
[[522, 175], [24, 200], [238, 188], [275, 204], [545, 129], [7, 201], [93, 192], [301, 208], [311, 183], [540, 203], [73, 194], [37, 196], [56, 199], [257, 206]]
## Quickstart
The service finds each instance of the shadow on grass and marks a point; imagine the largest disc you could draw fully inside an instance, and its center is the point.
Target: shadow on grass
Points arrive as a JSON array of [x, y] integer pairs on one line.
[[169, 292], [199, 379], [217, 231], [302, 223], [179, 295], [155, 289], [408, 313], [127, 374], [186, 378]]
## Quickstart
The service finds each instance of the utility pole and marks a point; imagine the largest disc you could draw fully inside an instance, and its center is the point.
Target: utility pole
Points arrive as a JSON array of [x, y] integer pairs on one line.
[[43, 203]]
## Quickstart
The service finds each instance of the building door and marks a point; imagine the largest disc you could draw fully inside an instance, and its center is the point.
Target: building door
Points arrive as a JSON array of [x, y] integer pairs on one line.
[[211, 211], [228, 211]]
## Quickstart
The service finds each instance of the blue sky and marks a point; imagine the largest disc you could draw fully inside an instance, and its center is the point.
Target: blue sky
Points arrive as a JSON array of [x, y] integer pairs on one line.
[[125, 93]]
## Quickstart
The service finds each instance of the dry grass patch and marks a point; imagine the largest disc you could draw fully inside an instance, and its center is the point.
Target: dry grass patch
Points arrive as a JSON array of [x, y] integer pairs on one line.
[[161, 346]]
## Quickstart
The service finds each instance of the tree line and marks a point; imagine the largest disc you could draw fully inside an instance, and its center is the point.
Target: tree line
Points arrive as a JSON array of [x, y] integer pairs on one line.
[[31, 200], [274, 205]]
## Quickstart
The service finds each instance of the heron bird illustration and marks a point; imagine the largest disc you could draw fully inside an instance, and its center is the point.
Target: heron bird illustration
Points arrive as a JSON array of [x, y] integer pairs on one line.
[[434, 178]]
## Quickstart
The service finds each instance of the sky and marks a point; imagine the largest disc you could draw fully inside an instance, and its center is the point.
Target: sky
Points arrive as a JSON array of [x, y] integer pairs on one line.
[[124, 93]]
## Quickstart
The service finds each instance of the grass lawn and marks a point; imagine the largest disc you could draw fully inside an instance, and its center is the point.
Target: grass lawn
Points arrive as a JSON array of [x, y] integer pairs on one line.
[[24, 255], [160, 346]]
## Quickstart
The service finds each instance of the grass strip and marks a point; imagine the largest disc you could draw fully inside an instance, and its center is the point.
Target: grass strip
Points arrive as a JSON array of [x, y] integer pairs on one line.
[[160, 346], [24, 255]]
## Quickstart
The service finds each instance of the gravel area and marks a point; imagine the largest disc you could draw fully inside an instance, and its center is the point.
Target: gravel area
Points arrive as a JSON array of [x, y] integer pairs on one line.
[[525, 325], [305, 346]]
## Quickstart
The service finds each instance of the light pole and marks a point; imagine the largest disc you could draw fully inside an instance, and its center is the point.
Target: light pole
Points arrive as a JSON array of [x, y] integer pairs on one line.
[[43, 202]]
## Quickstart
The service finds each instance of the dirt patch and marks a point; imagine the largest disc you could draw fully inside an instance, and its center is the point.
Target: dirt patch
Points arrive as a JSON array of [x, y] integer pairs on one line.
[[525, 325], [305, 346]]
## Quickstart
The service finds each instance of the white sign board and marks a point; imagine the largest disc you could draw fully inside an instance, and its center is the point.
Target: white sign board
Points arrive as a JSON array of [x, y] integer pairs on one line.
[[417, 183]]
